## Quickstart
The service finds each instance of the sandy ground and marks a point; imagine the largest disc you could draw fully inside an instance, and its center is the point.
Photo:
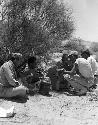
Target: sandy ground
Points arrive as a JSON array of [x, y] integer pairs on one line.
[[58, 109]]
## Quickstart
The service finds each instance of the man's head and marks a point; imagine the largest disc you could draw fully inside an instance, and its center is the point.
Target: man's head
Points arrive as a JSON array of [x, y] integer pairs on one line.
[[17, 58], [85, 54], [73, 55], [65, 58], [32, 62], [69, 59]]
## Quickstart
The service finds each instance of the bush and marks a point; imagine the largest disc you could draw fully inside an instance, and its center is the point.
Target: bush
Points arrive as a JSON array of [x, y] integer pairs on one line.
[[37, 24], [94, 47], [76, 44]]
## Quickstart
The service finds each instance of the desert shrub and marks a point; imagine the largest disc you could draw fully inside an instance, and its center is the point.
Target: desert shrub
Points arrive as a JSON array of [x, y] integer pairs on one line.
[[36, 24], [75, 44], [94, 47]]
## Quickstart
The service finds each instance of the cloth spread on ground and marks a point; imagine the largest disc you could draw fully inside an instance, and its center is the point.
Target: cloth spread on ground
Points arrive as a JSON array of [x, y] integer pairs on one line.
[[6, 113]]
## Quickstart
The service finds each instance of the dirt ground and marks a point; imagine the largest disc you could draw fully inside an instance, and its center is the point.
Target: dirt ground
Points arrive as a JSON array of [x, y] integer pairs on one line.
[[58, 109]]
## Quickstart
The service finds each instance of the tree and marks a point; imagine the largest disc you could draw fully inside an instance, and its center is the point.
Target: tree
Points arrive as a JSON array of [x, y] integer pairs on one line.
[[37, 24]]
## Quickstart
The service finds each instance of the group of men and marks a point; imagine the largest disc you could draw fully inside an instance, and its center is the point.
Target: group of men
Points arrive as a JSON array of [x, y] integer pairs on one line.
[[78, 71], [11, 80]]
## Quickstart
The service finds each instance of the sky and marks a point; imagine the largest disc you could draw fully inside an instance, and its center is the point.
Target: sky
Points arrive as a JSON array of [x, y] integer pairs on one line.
[[86, 18], [85, 13]]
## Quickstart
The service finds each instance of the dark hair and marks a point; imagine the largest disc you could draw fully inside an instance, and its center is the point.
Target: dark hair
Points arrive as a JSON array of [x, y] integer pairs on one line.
[[73, 56], [31, 60], [64, 57], [87, 52], [28, 60]]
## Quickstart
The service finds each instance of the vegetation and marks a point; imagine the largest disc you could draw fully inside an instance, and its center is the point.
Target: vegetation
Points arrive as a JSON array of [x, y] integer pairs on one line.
[[75, 44], [94, 47], [39, 26], [36, 25]]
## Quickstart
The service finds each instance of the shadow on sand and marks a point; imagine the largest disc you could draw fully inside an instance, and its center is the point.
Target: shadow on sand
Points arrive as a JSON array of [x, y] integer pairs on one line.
[[17, 99]]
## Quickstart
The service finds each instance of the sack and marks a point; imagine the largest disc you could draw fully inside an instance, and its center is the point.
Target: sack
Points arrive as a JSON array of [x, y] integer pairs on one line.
[[45, 87]]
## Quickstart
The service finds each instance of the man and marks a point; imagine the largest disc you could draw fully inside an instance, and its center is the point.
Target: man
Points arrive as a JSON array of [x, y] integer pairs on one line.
[[57, 80], [94, 65], [31, 75], [93, 62], [29, 71], [10, 86], [30, 66]]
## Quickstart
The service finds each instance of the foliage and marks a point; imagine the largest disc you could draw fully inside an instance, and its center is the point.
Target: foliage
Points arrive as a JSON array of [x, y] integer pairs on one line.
[[94, 47], [75, 44], [36, 24]]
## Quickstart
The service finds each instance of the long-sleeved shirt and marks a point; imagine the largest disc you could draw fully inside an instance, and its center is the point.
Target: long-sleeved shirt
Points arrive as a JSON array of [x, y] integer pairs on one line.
[[7, 74]]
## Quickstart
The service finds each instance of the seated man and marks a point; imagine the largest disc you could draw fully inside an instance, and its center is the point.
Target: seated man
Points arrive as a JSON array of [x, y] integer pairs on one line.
[[57, 80], [29, 67], [30, 75], [94, 65], [9, 84], [87, 55], [81, 76]]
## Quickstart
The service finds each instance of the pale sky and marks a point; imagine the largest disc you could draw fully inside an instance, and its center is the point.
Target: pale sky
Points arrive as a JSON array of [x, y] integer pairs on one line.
[[86, 18]]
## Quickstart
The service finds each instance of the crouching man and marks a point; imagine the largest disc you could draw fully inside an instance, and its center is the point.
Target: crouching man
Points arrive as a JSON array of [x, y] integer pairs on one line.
[[81, 77]]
